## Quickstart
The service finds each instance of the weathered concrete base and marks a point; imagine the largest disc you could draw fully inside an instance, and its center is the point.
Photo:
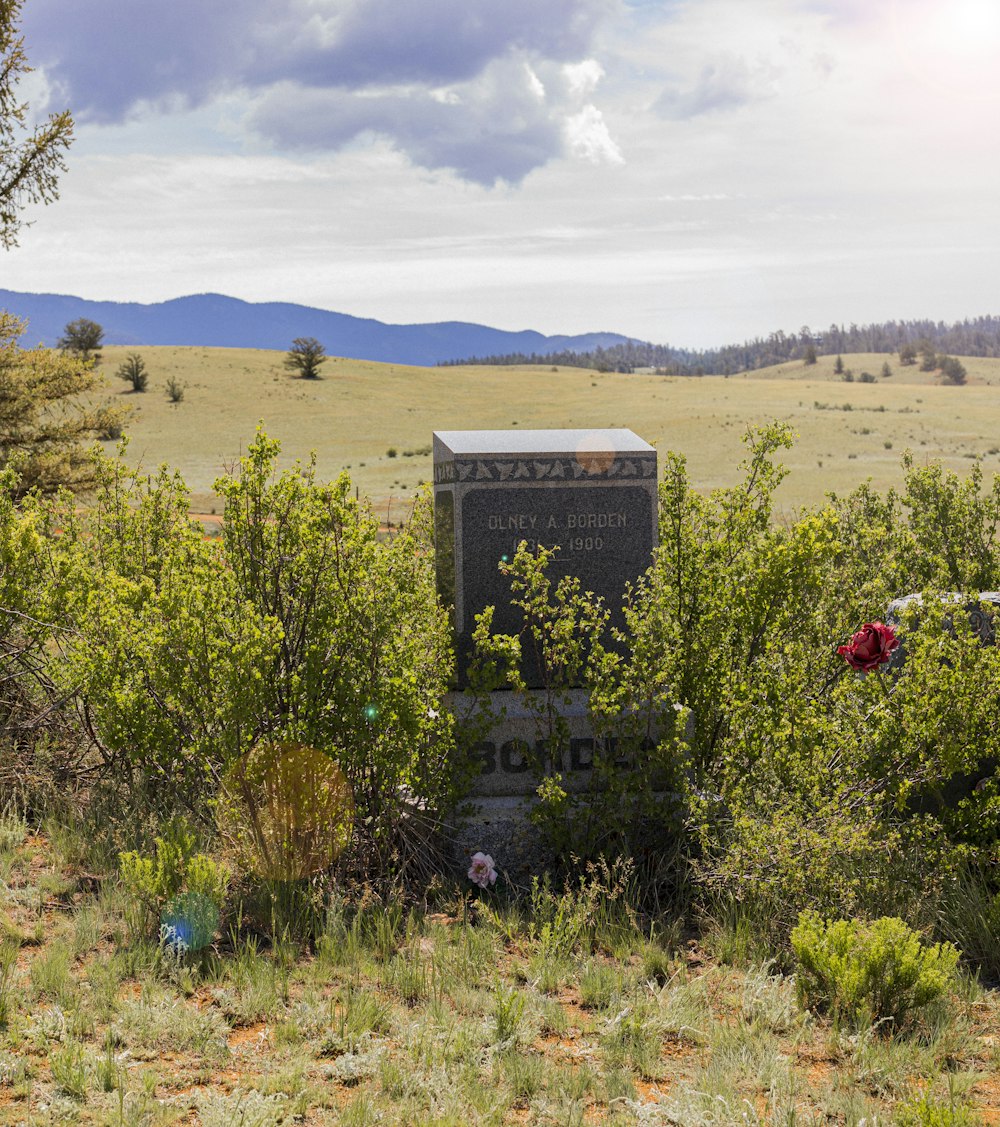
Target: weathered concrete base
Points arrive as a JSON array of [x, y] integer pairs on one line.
[[514, 747], [512, 751], [508, 755], [502, 827]]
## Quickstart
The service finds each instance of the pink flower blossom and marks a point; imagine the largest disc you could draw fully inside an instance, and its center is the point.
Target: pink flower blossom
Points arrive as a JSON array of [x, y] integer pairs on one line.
[[870, 647], [482, 871]]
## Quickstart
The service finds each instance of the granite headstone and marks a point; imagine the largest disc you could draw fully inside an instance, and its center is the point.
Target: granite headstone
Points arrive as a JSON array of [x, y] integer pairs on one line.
[[589, 493]]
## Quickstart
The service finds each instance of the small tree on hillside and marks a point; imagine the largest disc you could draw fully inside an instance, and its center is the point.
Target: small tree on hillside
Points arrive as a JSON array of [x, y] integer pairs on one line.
[[952, 370], [82, 337], [305, 357], [810, 354], [886, 370], [133, 370], [907, 355], [838, 366], [928, 357]]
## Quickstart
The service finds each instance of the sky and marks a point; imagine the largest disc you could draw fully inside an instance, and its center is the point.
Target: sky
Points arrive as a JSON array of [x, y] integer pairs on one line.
[[690, 172]]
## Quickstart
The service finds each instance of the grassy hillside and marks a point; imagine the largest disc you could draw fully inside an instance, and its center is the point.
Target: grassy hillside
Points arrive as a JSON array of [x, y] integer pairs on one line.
[[361, 410]]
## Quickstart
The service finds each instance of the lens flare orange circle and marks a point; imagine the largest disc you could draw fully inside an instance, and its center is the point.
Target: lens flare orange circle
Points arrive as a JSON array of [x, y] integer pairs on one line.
[[286, 810]]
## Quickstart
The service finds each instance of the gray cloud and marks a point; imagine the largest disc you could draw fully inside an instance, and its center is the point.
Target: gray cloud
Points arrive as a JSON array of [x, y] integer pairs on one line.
[[381, 42], [499, 127], [317, 73], [725, 83], [108, 57]]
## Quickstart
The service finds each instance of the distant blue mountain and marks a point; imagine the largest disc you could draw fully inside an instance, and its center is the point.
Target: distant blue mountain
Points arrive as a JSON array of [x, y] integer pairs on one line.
[[226, 322]]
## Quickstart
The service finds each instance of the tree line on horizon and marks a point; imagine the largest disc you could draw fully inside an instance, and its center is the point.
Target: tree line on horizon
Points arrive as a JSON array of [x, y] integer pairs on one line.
[[978, 336]]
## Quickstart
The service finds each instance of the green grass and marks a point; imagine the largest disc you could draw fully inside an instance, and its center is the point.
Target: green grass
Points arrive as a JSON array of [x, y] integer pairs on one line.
[[360, 410], [404, 1018]]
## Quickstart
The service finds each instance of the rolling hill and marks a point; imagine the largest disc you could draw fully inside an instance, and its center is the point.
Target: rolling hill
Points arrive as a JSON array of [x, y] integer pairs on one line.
[[213, 320], [376, 420]]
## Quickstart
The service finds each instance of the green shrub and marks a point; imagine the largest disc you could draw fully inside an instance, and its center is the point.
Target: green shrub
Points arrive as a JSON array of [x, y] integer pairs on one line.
[[8, 963], [13, 829], [970, 918], [640, 747], [925, 1111], [798, 783], [134, 372], [299, 624], [814, 786], [69, 1070], [40, 739], [172, 885], [869, 972]]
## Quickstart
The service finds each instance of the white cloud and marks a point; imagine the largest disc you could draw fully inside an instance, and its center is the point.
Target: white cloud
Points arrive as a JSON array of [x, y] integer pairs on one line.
[[535, 84], [726, 82], [583, 77], [588, 138]]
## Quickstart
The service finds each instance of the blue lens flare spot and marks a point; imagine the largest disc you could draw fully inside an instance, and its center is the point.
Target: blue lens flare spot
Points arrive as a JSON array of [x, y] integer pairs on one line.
[[189, 922]]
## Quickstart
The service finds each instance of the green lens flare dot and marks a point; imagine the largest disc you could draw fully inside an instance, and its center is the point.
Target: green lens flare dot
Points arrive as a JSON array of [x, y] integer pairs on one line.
[[286, 810]]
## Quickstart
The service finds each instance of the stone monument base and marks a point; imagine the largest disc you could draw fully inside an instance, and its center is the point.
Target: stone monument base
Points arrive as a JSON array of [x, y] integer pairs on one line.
[[511, 753]]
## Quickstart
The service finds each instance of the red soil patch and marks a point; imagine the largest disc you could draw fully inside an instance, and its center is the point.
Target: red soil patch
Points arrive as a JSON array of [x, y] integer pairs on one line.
[[250, 1037]]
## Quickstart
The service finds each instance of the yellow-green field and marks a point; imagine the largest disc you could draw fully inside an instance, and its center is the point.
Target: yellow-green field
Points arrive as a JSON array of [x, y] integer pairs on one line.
[[846, 432]]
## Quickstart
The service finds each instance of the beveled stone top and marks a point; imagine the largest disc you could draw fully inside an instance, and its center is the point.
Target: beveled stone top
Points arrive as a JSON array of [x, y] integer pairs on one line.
[[564, 442]]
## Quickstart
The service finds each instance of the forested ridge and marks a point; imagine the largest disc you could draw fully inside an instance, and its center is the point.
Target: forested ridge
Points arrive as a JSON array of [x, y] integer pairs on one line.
[[978, 336]]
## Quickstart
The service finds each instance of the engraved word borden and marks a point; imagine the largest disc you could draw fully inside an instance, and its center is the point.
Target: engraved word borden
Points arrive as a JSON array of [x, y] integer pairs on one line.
[[589, 493]]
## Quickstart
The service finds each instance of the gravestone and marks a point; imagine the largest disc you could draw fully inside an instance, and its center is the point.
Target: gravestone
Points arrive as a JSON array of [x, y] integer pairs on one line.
[[591, 494], [983, 611]]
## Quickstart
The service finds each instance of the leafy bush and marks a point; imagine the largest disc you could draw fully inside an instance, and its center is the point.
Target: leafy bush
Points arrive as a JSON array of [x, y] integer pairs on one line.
[[300, 624], [869, 972], [134, 372], [796, 784], [970, 918], [810, 785], [42, 747], [925, 1111], [176, 876], [800, 783]]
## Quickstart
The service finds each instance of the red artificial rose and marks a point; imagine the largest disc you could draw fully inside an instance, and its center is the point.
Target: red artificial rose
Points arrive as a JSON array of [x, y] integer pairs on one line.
[[870, 647]]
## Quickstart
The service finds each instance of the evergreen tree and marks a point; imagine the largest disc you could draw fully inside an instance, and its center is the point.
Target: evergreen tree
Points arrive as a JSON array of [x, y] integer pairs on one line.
[[45, 419], [82, 337], [952, 370], [30, 159]]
